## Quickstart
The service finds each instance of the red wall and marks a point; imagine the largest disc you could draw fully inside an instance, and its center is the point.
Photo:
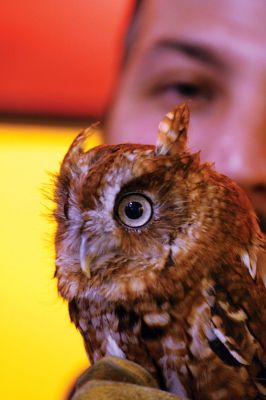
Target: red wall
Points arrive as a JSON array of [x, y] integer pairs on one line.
[[59, 57]]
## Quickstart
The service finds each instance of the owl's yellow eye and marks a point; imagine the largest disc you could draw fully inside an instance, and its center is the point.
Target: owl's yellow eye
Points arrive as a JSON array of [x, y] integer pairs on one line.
[[134, 210]]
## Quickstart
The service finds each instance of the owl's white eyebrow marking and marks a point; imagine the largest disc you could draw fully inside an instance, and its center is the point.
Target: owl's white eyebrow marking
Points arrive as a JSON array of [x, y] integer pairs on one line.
[[108, 196], [112, 348]]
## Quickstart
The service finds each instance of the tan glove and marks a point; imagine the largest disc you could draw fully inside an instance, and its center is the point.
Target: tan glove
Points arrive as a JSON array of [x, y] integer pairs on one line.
[[113, 378]]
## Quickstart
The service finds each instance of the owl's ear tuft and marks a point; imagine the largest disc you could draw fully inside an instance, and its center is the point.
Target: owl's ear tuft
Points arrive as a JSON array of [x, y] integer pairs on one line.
[[78, 146], [172, 131]]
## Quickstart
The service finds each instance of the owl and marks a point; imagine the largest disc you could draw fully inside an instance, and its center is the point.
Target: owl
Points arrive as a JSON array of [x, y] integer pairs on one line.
[[162, 262]]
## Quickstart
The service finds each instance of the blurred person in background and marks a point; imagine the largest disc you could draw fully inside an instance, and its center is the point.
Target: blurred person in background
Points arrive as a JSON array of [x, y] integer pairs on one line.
[[212, 54]]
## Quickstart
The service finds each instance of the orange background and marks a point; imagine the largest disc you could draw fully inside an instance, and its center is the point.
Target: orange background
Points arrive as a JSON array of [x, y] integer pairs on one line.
[[59, 59]]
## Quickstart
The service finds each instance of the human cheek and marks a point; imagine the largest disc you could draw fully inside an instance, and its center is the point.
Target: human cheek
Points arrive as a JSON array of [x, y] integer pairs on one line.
[[203, 135]]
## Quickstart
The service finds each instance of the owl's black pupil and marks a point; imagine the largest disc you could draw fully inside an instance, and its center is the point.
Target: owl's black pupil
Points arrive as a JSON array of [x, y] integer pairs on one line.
[[134, 210]]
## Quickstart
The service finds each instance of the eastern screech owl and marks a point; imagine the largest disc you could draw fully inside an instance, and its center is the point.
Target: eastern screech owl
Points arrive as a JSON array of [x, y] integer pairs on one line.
[[160, 258]]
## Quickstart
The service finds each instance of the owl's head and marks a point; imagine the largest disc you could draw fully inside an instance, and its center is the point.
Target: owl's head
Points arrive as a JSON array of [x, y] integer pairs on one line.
[[126, 212]]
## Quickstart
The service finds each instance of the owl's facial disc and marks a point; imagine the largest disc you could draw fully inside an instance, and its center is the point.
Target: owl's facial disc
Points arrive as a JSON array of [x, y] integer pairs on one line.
[[134, 210], [84, 258]]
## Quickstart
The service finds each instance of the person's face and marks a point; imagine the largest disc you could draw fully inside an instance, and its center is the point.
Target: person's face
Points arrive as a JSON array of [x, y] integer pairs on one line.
[[212, 53]]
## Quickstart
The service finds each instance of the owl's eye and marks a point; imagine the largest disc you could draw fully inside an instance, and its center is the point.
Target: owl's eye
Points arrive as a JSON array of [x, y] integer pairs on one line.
[[134, 210]]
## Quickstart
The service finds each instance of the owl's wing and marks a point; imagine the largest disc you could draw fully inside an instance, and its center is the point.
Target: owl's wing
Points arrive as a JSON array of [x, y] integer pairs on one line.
[[230, 326], [237, 342]]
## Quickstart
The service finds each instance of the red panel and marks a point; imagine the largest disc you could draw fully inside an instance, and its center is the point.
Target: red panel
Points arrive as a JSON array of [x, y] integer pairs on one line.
[[59, 57]]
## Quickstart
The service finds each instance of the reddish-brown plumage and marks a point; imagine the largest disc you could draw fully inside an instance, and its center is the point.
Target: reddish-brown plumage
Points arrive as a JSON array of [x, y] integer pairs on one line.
[[181, 290]]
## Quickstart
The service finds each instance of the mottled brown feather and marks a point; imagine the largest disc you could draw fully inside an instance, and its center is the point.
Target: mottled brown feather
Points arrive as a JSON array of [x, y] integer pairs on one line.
[[180, 294]]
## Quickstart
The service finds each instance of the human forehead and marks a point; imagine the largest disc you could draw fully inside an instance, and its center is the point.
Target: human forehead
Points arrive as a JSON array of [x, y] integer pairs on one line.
[[225, 24]]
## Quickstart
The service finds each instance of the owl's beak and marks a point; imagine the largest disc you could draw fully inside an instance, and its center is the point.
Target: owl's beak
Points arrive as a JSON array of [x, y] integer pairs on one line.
[[84, 258]]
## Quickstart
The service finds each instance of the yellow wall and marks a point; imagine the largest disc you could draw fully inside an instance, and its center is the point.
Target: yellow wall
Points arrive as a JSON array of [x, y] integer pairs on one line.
[[41, 352]]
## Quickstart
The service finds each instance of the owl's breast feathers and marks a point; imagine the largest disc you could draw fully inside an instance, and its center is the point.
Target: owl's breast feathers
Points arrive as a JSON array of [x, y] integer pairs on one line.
[[207, 328]]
